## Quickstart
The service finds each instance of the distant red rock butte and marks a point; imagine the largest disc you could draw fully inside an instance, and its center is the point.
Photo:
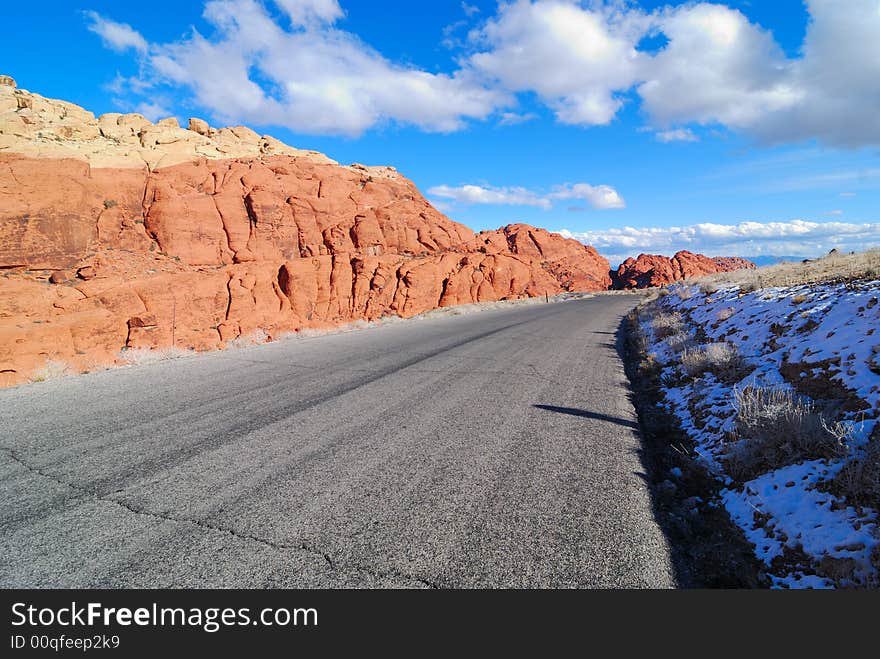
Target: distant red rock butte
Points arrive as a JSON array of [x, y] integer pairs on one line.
[[117, 234], [654, 270]]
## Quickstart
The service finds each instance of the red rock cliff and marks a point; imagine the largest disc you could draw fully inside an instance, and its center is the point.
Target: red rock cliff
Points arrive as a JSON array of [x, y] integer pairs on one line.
[[116, 234]]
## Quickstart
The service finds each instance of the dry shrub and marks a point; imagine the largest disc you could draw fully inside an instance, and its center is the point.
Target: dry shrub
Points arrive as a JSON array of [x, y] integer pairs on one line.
[[51, 370], [709, 288], [776, 427], [684, 292], [666, 324], [859, 479], [256, 337], [679, 342], [725, 314], [723, 360]]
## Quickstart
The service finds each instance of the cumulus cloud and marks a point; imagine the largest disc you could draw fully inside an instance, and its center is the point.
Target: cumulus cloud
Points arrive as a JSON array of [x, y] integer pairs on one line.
[[585, 60], [601, 197], [309, 76], [716, 67], [116, 36], [287, 62], [311, 12], [575, 59], [797, 238], [836, 78], [598, 196]]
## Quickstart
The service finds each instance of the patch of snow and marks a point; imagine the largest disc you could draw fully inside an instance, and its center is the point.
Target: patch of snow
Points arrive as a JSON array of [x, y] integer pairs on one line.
[[832, 331]]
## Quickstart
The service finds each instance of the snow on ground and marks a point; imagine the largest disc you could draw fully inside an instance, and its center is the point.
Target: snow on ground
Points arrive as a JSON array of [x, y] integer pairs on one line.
[[824, 338]]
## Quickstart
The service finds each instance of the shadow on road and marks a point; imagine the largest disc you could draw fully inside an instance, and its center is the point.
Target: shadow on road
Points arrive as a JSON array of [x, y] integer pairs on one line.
[[573, 411]]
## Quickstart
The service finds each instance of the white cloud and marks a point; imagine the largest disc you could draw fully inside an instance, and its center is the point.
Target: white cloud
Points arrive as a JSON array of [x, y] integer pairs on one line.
[[116, 36], [469, 10], [837, 76], [797, 238], [312, 77], [601, 197], [515, 118], [575, 59], [153, 111], [848, 194], [476, 194], [598, 196], [286, 62], [311, 12], [716, 67], [834, 213], [677, 135]]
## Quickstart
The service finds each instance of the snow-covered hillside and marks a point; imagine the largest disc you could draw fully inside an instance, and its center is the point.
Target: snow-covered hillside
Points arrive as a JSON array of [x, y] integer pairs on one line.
[[779, 389]]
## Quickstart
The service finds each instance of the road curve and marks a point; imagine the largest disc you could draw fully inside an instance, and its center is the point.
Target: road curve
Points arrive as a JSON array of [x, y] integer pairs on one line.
[[493, 449]]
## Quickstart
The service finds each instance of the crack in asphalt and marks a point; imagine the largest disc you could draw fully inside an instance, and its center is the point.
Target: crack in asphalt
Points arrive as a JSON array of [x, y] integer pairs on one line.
[[207, 526]]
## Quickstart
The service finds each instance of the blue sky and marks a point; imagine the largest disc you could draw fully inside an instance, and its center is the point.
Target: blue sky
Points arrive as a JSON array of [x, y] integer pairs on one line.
[[733, 127]]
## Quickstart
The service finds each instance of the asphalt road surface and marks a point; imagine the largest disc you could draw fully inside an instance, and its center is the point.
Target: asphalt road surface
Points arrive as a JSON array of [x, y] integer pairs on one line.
[[493, 449]]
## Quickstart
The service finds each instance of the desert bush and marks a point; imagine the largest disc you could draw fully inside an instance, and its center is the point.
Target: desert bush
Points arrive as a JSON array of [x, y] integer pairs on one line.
[[859, 479], [723, 360], [684, 292], [51, 370], [725, 314], [709, 288], [666, 324], [679, 342], [775, 427]]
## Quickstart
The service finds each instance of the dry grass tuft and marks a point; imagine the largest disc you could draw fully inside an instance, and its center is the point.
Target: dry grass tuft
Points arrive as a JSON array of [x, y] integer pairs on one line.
[[666, 324], [723, 360], [776, 427]]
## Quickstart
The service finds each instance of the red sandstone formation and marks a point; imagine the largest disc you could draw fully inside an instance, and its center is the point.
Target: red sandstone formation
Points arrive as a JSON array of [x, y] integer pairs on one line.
[[654, 270], [105, 249], [118, 234]]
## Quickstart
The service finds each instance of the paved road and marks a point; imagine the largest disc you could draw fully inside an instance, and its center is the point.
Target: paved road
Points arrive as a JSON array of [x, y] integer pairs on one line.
[[494, 449]]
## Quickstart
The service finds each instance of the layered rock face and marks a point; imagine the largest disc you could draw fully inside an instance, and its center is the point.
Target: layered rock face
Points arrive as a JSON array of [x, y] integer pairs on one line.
[[118, 234], [654, 270]]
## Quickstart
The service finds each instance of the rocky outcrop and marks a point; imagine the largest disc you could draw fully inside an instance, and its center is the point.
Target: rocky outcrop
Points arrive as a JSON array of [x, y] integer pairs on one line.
[[118, 234], [39, 127], [654, 270]]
